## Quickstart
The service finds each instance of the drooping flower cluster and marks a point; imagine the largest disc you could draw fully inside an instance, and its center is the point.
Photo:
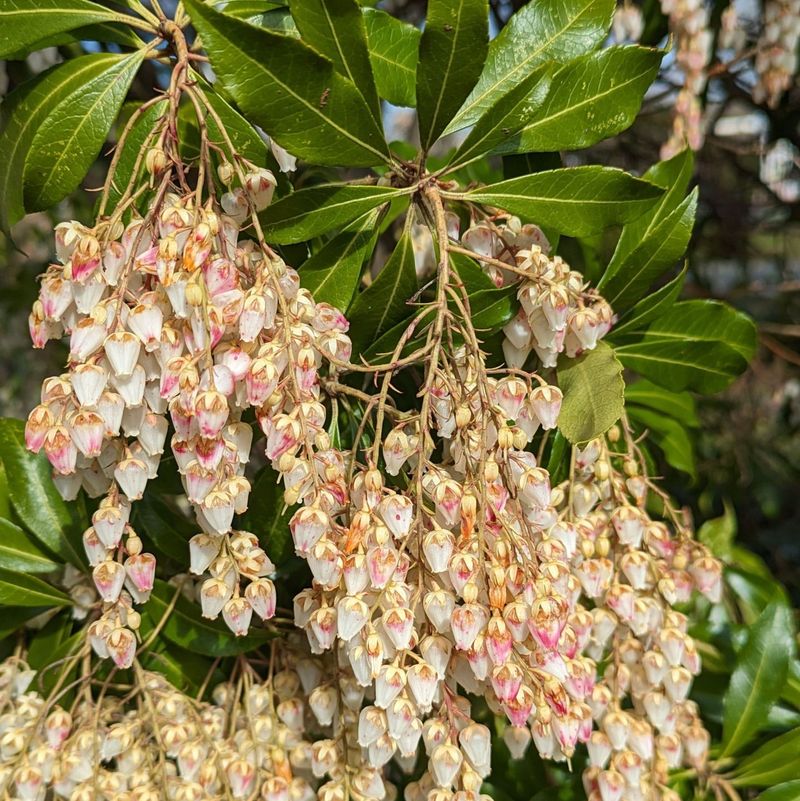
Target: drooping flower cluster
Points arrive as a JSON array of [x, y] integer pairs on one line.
[[634, 570], [776, 59], [688, 22], [443, 563], [251, 739], [172, 318], [558, 313]]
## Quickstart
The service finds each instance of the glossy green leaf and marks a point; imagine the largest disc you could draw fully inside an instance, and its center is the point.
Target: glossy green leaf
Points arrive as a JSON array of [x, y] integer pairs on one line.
[[680, 405], [69, 139], [243, 135], [50, 640], [185, 627], [20, 589], [667, 433], [545, 30], [384, 302], [14, 618], [23, 113], [506, 117], [19, 552], [24, 23], [393, 52], [36, 501], [719, 533], [787, 791], [319, 209], [673, 176], [268, 518], [758, 678], [649, 308], [336, 29], [659, 251], [451, 55], [162, 526], [490, 309], [594, 394], [291, 91], [591, 98], [106, 32], [576, 201], [333, 273], [777, 761], [137, 136], [698, 344]]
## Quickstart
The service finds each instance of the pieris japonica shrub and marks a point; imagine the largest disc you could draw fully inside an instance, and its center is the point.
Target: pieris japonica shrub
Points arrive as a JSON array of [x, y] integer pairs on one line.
[[346, 489]]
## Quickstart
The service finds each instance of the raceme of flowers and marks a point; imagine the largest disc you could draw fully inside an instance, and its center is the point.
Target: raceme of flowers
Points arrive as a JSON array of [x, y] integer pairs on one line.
[[774, 56], [445, 565]]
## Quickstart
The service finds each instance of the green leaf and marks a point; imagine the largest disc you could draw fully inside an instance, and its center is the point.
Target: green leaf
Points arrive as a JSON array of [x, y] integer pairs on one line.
[[672, 175], [319, 209], [333, 273], [576, 201], [36, 501], [719, 533], [25, 22], [679, 405], [69, 139], [594, 394], [758, 678], [506, 117], [268, 518], [668, 434], [137, 136], [243, 135], [181, 668], [698, 344], [545, 30], [106, 32], [591, 98], [393, 52], [777, 761], [185, 627], [659, 251], [20, 589], [15, 617], [384, 302], [49, 641], [17, 552], [650, 308], [788, 791], [291, 91], [451, 54], [23, 113], [162, 526], [336, 29]]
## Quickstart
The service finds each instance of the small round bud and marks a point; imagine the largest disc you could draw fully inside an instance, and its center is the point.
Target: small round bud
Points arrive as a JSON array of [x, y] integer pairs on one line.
[[155, 161]]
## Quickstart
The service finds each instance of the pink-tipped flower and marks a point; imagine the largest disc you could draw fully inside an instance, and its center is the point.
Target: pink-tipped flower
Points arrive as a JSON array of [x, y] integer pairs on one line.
[[237, 614], [546, 402], [109, 578], [141, 570], [122, 351], [261, 596], [60, 450], [39, 422], [87, 429], [214, 594]]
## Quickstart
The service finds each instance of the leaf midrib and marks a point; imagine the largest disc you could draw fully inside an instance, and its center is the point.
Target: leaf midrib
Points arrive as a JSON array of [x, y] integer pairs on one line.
[[522, 64], [444, 82], [587, 101], [314, 110], [122, 72]]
